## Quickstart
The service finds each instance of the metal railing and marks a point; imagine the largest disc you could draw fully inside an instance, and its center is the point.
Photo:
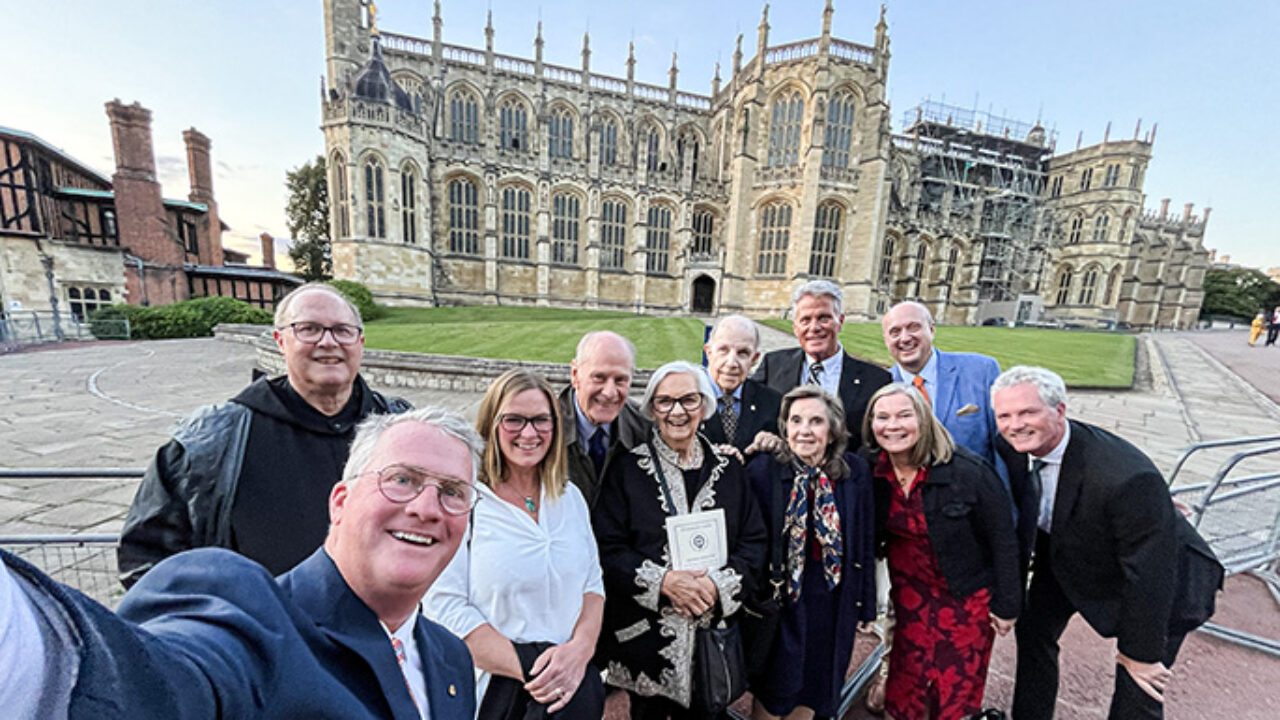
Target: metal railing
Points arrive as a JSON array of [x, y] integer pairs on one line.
[[1237, 511], [31, 327]]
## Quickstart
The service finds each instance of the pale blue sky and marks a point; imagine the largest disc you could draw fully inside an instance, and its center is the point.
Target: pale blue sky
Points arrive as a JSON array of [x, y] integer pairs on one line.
[[247, 74]]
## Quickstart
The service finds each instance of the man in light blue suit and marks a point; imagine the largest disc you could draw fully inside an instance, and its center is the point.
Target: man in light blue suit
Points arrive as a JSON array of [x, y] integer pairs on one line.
[[958, 385]]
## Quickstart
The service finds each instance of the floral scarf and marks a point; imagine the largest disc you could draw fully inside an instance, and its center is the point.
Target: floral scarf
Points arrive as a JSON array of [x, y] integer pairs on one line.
[[826, 528]]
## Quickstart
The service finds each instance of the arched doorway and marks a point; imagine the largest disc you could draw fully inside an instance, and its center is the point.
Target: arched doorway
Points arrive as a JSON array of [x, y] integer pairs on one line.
[[704, 295]]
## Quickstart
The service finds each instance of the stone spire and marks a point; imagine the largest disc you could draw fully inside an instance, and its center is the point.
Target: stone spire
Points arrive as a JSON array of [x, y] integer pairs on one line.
[[715, 81], [737, 56], [827, 12], [631, 64], [882, 32], [437, 33], [488, 40], [538, 43], [673, 72], [586, 51], [762, 34]]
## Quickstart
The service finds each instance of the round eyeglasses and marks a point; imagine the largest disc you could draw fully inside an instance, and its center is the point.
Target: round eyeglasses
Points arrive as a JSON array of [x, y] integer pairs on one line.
[[514, 423], [665, 403], [311, 333], [403, 483]]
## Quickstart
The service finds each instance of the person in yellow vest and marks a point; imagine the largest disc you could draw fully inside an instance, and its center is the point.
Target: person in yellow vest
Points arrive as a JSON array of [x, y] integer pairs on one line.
[[1255, 329]]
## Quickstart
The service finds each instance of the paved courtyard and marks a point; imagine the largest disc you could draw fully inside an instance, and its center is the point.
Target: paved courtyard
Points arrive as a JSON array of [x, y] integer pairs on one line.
[[111, 405]]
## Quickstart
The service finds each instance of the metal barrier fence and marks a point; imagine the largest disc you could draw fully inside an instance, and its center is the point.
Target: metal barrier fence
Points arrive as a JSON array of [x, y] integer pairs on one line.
[[84, 562], [1237, 511], [29, 327]]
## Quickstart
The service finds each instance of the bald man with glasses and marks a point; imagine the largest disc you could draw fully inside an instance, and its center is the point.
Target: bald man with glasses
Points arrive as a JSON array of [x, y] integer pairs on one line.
[[253, 475]]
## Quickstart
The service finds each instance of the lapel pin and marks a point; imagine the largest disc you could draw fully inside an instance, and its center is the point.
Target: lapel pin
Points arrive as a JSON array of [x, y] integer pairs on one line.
[[857, 381], [753, 408], [453, 689]]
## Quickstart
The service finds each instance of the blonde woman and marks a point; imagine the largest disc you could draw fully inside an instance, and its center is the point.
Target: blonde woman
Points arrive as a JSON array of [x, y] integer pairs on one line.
[[525, 590]]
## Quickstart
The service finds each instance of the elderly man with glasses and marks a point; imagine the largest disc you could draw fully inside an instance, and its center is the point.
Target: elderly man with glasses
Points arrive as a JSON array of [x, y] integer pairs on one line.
[[253, 475], [210, 634]]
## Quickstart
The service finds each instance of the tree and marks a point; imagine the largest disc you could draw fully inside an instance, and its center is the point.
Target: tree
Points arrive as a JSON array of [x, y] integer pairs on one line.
[[1238, 292], [307, 216]]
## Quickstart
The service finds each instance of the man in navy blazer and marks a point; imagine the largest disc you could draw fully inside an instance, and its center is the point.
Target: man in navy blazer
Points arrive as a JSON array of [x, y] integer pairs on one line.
[[209, 634], [750, 407], [958, 385], [1096, 515], [817, 316]]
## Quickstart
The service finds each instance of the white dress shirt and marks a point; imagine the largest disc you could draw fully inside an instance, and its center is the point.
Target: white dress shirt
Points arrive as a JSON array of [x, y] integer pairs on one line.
[[412, 665], [1049, 479], [23, 661], [526, 579], [829, 380]]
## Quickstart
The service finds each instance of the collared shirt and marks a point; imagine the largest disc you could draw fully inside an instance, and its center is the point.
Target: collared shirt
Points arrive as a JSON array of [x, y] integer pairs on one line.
[[929, 373], [525, 578], [737, 395], [412, 665], [831, 367], [586, 428], [1049, 478]]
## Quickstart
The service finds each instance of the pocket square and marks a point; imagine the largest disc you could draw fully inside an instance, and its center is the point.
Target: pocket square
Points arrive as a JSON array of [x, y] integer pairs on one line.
[[967, 410]]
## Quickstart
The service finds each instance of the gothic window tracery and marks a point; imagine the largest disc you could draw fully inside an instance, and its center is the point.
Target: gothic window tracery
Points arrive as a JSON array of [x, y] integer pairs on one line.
[[338, 165], [826, 239], [464, 117], [513, 125], [566, 222], [609, 143], [657, 240], [704, 222], [464, 217], [784, 130], [516, 201], [409, 203], [613, 234], [375, 198], [775, 233], [839, 132], [560, 133]]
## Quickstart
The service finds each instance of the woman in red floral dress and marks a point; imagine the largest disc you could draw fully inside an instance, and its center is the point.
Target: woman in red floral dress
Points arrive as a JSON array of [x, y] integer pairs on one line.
[[945, 522]]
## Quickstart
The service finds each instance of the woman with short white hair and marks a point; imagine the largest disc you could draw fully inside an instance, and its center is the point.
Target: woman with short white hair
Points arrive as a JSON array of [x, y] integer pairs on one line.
[[654, 610]]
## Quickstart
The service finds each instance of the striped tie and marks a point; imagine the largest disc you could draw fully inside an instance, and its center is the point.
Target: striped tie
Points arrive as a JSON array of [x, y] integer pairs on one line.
[[398, 646]]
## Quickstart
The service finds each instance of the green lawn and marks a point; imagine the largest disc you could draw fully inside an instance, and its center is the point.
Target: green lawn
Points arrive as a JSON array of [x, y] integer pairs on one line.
[[530, 333], [1083, 359]]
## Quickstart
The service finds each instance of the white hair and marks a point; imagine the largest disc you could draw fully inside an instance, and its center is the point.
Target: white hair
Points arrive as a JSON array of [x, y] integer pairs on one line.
[[1049, 384], [741, 321], [371, 429], [820, 288], [677, 367], [286, 303], [591, 338]]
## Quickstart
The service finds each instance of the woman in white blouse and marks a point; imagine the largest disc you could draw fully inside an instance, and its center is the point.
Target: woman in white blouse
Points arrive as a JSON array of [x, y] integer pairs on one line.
[[524, 590]]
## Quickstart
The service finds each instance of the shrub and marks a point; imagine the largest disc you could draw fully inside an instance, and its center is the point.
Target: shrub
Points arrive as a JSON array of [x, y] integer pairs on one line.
[[360, 296], [189, 318]]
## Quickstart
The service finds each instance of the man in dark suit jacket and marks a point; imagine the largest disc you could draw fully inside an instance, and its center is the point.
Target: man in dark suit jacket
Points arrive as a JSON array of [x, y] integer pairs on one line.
[[208, 633], [817, 316], [750, 407], [1107, 543], [601, 422]]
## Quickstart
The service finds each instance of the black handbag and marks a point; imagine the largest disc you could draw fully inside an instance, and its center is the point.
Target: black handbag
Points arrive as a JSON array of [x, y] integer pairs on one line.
[[719, 670], [762, 614]]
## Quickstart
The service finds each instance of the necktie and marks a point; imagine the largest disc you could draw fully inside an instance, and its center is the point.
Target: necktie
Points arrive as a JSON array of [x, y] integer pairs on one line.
[[597, 450], [815, 374], [1037, 488], [399, 648], [919, 383], [729, 417]]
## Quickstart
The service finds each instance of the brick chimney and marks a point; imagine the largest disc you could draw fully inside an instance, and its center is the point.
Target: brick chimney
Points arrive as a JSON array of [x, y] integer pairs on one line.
[[140, 215], [200, 170], [268, 251], [1164, 208], [1186, 212]]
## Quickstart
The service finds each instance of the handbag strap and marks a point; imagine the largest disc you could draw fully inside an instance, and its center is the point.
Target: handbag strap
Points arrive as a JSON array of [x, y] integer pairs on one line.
[[779, 510], [662, 476]]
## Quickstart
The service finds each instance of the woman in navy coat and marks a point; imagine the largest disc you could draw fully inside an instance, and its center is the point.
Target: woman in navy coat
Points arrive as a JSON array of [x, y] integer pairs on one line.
[[817, 503]]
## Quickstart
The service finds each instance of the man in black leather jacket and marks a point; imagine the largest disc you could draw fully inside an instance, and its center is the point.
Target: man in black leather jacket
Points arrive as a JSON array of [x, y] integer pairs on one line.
[[254, 474]]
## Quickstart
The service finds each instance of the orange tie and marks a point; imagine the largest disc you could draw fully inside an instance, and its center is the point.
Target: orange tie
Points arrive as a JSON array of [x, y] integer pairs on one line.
[[919, 383]]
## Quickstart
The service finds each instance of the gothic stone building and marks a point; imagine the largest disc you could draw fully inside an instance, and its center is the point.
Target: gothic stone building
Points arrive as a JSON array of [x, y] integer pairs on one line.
[[459, 175]]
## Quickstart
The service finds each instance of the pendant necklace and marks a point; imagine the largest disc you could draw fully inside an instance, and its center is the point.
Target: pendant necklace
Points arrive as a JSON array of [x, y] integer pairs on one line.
[[529, 504]]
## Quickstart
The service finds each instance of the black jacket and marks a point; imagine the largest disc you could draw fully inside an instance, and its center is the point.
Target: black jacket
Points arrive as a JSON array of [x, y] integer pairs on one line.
[[1122, 555], [628, 429], [757, 411], [284, 456], [859, 380], [970, 526]]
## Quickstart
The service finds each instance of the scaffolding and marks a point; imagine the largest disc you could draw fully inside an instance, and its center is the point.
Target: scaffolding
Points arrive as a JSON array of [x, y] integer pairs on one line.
[[984, 175]]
